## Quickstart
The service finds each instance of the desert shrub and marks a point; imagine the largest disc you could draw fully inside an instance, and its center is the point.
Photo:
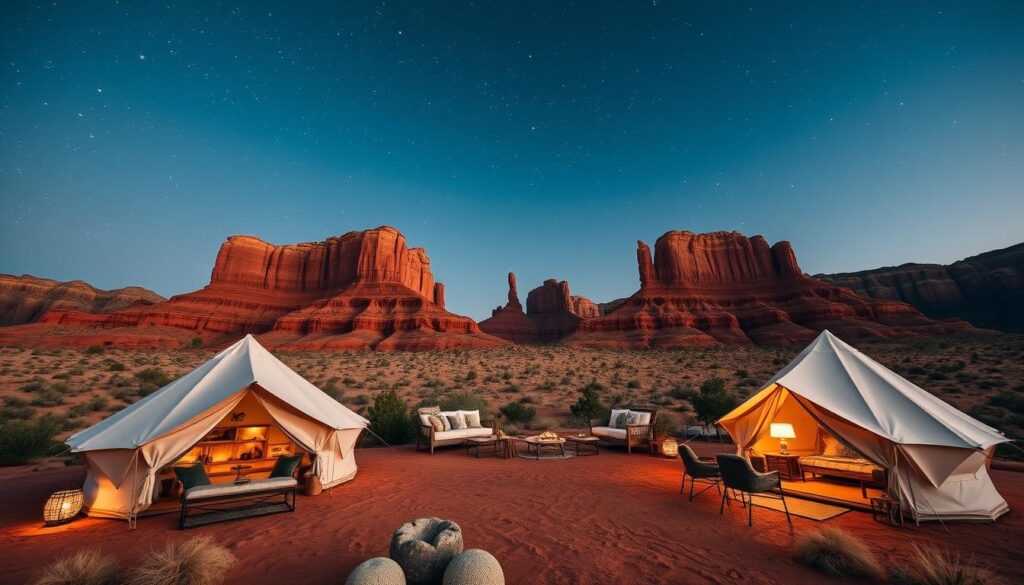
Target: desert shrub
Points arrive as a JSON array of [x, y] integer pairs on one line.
[[48, 397], [115, 366], [633, 384], [930, 566], [331, 389], [713, 401], [94, 349], [834, 551], [85, 567], [195, 561], [589, 404], [471, 375], [33, 386], [196, 342], [23, 412], [464, 401], [389, 418], [519, 413], [1012, 401], [682, 392], [665, 426], [23, 440], [151, 379]]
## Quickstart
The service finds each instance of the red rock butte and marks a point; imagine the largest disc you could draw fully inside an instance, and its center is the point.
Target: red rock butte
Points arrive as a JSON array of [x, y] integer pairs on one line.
[[724, 287], [25, 298], [363, 290], [552, 313]]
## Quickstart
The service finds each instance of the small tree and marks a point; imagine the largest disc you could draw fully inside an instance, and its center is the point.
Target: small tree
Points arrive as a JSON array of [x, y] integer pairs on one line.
[[713, 401], [589, 404], [389, 418]]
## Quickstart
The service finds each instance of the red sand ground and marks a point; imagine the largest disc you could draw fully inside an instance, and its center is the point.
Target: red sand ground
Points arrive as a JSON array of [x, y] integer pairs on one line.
[[606, 519]]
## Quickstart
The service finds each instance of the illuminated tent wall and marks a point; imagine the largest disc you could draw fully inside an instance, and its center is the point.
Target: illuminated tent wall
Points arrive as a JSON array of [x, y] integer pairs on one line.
[[936, 456], [124, 452]]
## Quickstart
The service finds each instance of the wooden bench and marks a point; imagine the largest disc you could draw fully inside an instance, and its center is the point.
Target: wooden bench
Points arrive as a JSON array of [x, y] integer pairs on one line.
[[219, 502]]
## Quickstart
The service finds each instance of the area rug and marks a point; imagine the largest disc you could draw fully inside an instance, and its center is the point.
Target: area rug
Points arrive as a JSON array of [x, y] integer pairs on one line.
[[546, 453], [803, 508]]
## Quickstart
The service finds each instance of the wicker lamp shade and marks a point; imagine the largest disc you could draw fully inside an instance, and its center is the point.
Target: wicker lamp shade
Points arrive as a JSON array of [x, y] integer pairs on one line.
[[62, 506], [670, 447]]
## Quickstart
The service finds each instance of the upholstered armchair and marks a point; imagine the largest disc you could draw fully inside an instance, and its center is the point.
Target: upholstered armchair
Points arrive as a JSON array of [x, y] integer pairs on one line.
[[739, 475], [699, 470]]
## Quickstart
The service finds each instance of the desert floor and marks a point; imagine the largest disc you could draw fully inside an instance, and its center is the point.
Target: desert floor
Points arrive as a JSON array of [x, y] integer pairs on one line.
[[980, 374], [612, 518]]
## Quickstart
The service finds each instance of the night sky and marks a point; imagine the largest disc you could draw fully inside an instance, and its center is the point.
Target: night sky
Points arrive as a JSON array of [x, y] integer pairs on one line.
[[539, 137]]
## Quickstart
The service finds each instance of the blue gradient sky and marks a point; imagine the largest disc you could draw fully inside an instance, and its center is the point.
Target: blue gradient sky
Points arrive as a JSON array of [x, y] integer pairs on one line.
[[538, 137]]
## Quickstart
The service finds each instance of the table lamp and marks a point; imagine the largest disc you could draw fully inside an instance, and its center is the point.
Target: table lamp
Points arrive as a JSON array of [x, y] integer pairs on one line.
[[782, 431]]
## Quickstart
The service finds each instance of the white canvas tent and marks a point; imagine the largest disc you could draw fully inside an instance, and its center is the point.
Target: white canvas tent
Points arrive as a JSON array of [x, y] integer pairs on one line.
[[124, 452], [936, 456]]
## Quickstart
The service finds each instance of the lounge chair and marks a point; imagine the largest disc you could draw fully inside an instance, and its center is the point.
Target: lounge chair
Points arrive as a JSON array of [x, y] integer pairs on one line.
[[739, 475], [629, 434], [703, 471]]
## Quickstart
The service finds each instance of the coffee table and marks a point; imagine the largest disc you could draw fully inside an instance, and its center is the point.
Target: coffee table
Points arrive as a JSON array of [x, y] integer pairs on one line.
[[477, 442], [586, 440], [535, 443]]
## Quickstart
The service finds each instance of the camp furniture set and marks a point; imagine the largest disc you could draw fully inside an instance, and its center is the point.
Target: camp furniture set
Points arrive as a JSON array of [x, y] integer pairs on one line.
[[203, 502]]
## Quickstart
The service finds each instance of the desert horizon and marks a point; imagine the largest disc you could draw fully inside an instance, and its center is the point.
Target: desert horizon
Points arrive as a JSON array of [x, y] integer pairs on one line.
[[488, 293]]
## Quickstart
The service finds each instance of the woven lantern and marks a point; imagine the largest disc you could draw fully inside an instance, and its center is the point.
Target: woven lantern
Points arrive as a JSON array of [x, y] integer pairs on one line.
[[62, 506], [670, 447]]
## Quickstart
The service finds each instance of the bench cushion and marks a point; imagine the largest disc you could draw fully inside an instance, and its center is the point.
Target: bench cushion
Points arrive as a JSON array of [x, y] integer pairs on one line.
[[239, 489], [609, 433], [463, 434], [847, 464]]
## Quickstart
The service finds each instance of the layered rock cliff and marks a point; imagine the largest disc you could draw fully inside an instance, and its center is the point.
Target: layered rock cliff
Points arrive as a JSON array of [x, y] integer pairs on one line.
[[552, 313], [363, 290], [724, 287], [24, 299], [987, 289]]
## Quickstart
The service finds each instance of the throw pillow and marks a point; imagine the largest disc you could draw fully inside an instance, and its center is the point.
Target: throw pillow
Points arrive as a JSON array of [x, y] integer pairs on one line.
[[633, 418], [831, 447], [622, 420], [844, 451], [435, 421], [192, 476], [615, 416], [473, 419], [285, 465], [456, 421]]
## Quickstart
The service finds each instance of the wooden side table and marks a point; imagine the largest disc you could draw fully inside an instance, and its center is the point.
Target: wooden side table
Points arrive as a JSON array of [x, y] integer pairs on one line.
[[588, 440], [885, 509], [787, 465], [509, 449]]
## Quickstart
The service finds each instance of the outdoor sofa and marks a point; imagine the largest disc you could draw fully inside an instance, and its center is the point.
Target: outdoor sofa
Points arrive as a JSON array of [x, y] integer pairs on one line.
[[631, 426], [450, 427]]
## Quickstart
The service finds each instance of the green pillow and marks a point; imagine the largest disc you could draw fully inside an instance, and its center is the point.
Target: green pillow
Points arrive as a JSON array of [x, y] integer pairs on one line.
[[192, 476], [285, 466]]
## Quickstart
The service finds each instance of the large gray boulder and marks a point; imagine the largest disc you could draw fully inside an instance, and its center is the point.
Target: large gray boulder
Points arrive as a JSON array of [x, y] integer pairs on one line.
[[424, 547], [377, 571], [474, 567]]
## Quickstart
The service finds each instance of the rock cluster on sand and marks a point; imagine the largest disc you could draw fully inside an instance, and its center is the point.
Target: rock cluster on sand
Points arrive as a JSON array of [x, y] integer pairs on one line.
[[724, 287], [376, 571], [474, 567], [362, 290], [424, 547], [24, 299], [987, 289]]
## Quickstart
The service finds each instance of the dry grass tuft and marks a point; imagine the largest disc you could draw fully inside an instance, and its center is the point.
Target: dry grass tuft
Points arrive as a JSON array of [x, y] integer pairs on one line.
[[195, 561], [85, 567], [931, 566], [834, 551]]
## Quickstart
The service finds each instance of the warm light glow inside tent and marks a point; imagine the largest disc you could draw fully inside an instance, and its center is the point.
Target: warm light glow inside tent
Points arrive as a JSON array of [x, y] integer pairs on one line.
[[852, 416], [242, 408]]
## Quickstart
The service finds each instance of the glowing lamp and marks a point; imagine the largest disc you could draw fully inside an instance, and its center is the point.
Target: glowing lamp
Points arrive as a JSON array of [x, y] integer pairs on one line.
[[62, 506], [782, 431], [670, 447]]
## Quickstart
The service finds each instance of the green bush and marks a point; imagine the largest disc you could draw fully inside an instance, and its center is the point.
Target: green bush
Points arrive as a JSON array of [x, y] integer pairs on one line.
[[519, 413], [464, 401], [196, 342], [21, 440], [713, 401], [94, 349], [389, 418], [589, 404]]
